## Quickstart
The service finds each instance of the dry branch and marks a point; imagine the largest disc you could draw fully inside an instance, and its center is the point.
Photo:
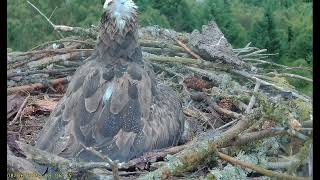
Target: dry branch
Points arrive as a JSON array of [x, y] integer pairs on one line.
[[67, 167], [161, 51], [181, 60], [250, 137], [225, 111], [32, 87], [47, 51], [16, 63], [253, 98], [55, 59], [20, 110], [89, 42], [43, 16], [253, 53], [50, 72], [90, 33], [159, 44], [216, 107], [113, 164], [200, 152], [292, 76], [188, 49], [238, 72], [259, 169], [252, 77], [277, 65]]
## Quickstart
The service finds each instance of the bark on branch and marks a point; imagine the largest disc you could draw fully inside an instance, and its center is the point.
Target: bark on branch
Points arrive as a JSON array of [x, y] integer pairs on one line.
[[32, 87]]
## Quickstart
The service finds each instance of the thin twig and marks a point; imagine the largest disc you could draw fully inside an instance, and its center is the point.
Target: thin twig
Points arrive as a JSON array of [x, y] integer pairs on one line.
[[53, 12], [242, 50], [41, 13], [113, 164], [253, 98], [20, 110], [277, 65], [206, 119], [21, 126], [228, 124], [252, 77], [292, 76], [254, 53], [53, 25]]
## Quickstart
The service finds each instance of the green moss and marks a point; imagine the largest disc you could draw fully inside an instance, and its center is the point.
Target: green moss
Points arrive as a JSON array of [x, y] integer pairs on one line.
[[300, 156], [282, 81], [277, 112], [201, 156], [301, 108], [224, 95]]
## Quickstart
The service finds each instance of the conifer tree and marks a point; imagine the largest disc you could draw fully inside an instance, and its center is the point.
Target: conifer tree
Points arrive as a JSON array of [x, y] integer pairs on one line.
[[264, 33]]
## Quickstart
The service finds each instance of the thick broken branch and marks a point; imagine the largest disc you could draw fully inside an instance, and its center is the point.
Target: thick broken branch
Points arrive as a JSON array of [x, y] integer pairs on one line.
[[161, 51], [89, 42], [188, 49], [259, 169], [50, 72], [66, 166], [32, 87], [181, 60], [203, 97], [90, 33], [250, 137], [200, 152], [47, 51], [160, 44], [225, 111]]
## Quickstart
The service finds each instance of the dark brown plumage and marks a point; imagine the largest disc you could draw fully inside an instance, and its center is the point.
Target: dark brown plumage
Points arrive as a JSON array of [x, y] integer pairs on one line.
[[113, 102]]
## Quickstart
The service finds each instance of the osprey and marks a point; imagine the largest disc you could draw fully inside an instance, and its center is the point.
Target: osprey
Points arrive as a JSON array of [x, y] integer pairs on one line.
[[114, 103]]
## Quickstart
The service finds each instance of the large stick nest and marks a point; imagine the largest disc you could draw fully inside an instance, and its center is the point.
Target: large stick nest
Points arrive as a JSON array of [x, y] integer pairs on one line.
[[233, 105]]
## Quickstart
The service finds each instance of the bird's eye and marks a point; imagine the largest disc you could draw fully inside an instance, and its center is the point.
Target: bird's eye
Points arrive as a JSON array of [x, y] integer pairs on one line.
[[109, 3]]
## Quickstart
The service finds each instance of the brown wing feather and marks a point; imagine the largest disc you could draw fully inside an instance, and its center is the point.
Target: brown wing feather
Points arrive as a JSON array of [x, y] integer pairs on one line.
[[113, 103], [137, 115]]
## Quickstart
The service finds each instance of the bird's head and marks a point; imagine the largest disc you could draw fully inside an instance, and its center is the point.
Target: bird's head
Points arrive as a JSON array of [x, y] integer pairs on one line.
[[121, 11]]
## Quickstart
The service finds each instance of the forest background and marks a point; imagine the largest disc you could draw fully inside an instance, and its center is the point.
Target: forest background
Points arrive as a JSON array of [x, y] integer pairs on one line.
[[283, 27]]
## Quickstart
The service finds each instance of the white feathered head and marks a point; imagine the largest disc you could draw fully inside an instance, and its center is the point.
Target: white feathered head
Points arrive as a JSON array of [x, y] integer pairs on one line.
[[121, 11]]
